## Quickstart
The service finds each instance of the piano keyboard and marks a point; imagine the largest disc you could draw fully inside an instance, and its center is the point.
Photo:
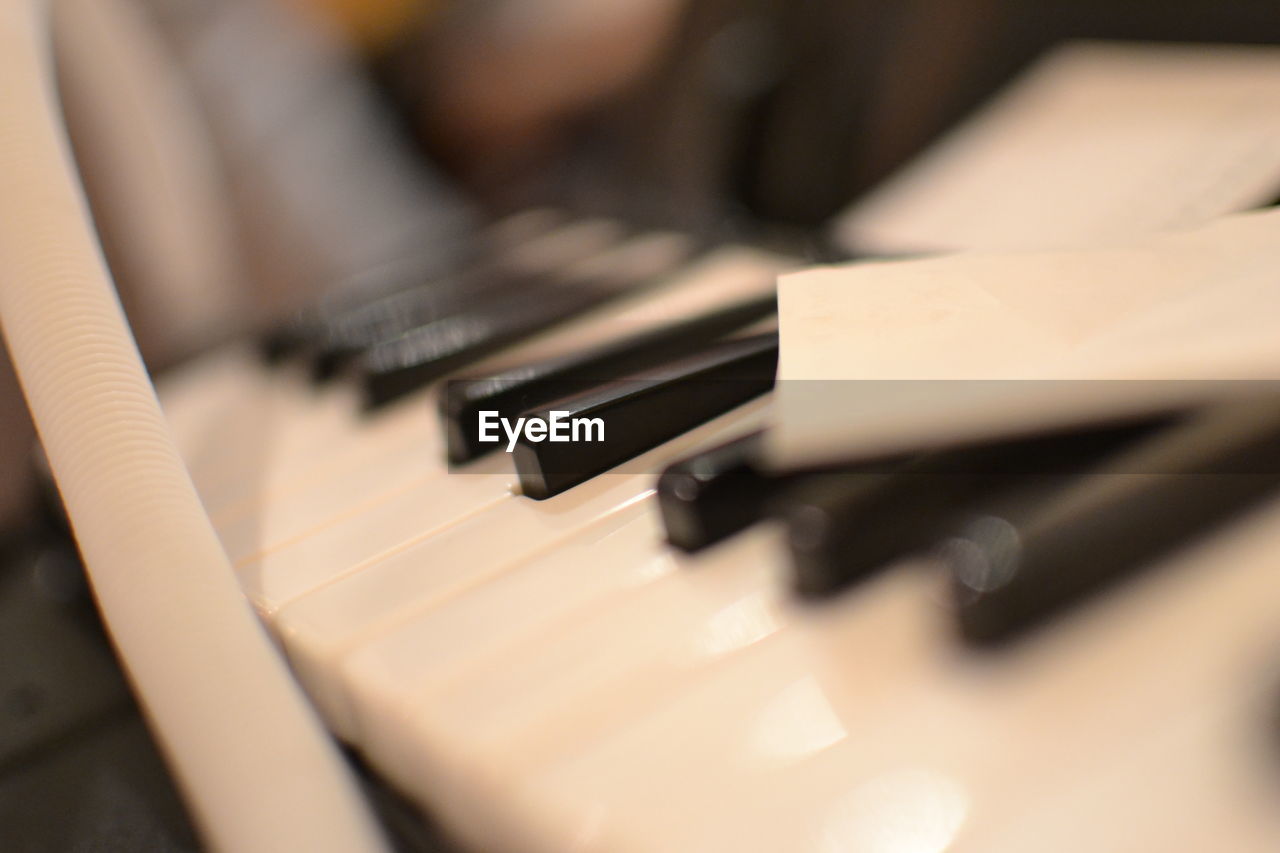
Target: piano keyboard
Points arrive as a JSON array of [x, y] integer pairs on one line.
[[552, 675]]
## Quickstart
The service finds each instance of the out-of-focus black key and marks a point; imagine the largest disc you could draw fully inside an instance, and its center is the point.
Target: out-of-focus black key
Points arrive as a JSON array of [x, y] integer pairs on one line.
[[1015, 567], [306, 329], [829, 539], [529, 386], [843, 526], [522, 266], [492, 253], [638, 414], [401, 366], [712, 495], [345, 336]]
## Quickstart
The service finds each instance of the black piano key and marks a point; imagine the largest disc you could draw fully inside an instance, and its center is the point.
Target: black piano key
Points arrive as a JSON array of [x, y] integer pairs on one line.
[[829, 540], [843, 526], [278, 342], [1013, 568], [486, 255], [306, 330], [403, 365], [711, 495], [639, 414], [529, 266], [530, 386], [347, 335]]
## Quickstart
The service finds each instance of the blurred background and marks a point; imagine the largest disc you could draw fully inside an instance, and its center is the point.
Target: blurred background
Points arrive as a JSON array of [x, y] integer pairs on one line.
[[303, 142]]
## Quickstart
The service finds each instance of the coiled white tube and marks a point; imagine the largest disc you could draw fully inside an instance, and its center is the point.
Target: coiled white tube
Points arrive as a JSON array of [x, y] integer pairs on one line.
[[257, 769]]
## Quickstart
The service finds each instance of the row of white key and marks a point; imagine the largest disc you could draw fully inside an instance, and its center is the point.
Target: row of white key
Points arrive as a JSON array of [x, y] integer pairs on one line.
[[549, 676]]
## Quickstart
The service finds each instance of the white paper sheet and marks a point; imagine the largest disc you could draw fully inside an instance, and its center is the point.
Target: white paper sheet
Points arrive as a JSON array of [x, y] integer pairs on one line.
[[887, 356], [1097, 141]]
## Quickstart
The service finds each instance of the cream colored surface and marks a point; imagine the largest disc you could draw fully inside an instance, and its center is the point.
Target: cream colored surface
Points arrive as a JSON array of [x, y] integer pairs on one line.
[[339, 521], [862, 725], [363, 599], [1098, 141], [550, 677], [878, 357], [257, 770]]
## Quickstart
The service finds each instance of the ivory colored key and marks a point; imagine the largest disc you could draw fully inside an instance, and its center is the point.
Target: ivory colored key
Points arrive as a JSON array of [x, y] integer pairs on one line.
[[404, 435], [264, 526], [961, 741], [320, 627], [202, 399], [392, 522], [544, 679], [609, 558], [271, 429], [480, 739], [1201, 779], [195, 392]]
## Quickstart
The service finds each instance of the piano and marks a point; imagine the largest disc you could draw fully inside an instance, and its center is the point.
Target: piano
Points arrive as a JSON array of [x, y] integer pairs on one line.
[[654, 642], [671, 648]]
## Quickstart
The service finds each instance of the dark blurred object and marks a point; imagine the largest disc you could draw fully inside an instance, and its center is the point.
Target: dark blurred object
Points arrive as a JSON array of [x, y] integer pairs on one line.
[[498, 88], [78, 768], [764, 112]]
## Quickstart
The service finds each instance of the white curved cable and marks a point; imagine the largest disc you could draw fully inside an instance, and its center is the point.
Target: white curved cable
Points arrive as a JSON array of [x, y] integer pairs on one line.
[[257, 769]]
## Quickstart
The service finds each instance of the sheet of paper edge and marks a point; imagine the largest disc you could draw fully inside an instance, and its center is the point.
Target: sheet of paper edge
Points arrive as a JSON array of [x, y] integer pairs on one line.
[[874, 225], [811, 419]]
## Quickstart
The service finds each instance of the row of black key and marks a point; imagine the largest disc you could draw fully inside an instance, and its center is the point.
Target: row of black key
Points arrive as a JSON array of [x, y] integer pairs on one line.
[[1026, 528], [648, 387], [1014, 553]]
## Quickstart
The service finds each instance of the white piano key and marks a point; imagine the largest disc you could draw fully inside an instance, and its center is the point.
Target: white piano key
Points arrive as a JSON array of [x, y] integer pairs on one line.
[[319, 628], [994, 736], [403, 434], [268, 426], [609, 558], [311, 503], [658, 621], [1202, 779], [193, 394], [277, 576]]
